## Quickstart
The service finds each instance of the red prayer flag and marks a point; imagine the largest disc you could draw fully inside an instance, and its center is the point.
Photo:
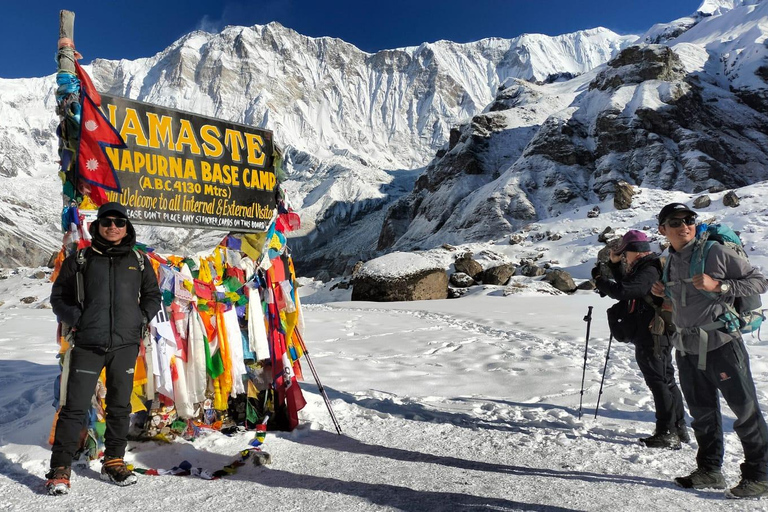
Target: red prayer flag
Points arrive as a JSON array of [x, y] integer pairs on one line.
[[96, 134], [288, 222], [87, 85]]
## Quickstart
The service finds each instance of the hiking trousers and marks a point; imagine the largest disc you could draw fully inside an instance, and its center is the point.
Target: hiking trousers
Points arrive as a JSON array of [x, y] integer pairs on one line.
[[659, 375], [727, 371], [85, 366]]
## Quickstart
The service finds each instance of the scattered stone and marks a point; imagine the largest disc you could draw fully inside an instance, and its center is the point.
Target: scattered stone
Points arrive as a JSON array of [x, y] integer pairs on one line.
[[357, 267], [604, 254], [464, 263], [529, 268], [714, 189], [516, 239], [586, 285], [561, 280], [593, 213], [622, 196], [731, 199], [498, 275], [39, 275], [28, 300], [553, 236], [52, 260], [702, 202], [606, 235], [448, 247], [342, 285], [2, 302], [461, 280], [455, 293], [44, 305]]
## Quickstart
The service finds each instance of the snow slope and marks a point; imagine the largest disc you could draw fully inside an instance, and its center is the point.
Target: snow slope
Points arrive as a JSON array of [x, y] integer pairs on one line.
[[465, 404]]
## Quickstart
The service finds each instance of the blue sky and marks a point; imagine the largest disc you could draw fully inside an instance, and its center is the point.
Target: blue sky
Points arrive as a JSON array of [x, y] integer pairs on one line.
[[139, 28]]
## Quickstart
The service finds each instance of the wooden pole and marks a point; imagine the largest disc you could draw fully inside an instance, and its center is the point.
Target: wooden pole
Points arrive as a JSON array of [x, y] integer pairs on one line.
[[66, 54]]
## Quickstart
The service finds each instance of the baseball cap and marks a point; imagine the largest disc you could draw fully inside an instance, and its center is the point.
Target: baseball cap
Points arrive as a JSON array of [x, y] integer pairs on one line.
[[673, 208]]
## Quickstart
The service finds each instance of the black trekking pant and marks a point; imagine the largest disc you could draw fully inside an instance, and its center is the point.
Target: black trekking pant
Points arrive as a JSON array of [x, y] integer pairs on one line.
[[728, 371], [659, 375], [85, 366]]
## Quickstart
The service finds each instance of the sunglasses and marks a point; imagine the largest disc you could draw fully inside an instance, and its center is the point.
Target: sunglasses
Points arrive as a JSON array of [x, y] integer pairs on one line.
[[105, 222], [676, 223]]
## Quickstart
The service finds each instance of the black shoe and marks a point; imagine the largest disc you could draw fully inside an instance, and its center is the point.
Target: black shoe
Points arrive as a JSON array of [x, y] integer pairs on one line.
[[750, 489], [682, 432], [113, 470], [702, 479], [665, 439]]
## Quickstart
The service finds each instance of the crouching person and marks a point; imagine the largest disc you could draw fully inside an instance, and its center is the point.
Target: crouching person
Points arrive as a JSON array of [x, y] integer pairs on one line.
[[711, 358], [118, 293], [653, 356]]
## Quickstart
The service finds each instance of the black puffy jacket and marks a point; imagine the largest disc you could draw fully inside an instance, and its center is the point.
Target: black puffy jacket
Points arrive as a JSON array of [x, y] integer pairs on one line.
[[118, 295], [632, 287]]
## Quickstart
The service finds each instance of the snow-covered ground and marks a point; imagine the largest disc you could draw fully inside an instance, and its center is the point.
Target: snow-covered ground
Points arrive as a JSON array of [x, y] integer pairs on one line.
[[465, 404]]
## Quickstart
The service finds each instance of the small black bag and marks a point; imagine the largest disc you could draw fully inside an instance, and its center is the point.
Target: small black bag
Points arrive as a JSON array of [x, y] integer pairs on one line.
[[619, 322]]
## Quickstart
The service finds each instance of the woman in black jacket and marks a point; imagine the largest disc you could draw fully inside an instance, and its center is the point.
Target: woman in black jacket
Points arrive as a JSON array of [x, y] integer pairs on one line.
[[106, 308], [643, 269]]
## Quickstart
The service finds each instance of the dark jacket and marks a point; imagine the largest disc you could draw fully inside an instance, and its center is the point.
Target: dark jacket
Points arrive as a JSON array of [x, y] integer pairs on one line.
[[632, 287], [118, 295]]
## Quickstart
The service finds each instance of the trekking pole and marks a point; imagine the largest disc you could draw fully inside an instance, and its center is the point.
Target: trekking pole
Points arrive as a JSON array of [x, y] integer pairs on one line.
[[605, 367], [319, 384], [587, 319]]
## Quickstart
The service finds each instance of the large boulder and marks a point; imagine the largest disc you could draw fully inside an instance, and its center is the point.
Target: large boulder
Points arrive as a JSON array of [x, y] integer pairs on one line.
[[731, 199], [465, 264], [400, 277], [622, 197], [498, 275], [461, 280], [702, 202], [561, 280]]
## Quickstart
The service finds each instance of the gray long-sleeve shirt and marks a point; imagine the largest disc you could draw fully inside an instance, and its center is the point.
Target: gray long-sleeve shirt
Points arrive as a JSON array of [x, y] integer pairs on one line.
[[693, 308]]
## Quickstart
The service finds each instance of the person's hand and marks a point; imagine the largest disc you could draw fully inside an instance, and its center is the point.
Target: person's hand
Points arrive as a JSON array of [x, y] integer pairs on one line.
[[706, 283], [596, 271], [658, 289]]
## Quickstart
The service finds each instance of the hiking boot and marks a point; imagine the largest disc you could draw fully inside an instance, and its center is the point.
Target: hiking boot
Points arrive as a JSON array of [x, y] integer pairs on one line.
[[748, 489], [57, 480], [113, 470], [682, 432], [666, 439], [702, 479]]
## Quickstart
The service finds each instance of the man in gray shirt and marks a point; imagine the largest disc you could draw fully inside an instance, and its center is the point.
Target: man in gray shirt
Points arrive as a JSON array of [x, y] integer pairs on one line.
[[711, 359]]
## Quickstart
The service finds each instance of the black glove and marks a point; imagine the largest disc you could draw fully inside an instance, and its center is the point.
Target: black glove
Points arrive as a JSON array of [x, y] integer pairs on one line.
[[596, 271]]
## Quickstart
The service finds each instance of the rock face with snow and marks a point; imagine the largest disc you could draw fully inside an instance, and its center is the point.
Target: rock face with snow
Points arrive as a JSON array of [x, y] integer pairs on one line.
[[687, 115], [441, 143], [357, 128]]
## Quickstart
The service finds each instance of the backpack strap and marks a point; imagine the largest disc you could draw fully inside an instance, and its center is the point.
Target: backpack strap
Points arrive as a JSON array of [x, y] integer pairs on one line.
[[140, 257]]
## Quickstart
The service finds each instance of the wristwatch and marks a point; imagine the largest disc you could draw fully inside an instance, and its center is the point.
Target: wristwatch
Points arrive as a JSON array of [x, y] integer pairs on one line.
[[724, 287]]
